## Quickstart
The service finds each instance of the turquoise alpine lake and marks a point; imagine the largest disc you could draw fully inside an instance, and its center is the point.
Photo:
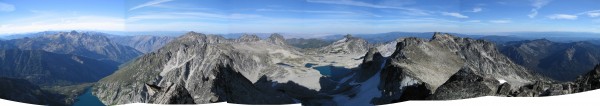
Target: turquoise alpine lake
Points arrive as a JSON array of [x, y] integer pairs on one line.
[[87, 99]]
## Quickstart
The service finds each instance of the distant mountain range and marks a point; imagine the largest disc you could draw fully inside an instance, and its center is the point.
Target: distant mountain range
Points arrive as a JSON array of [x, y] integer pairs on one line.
[[55, 67], [91, 45], [560, 61], [142, 43]]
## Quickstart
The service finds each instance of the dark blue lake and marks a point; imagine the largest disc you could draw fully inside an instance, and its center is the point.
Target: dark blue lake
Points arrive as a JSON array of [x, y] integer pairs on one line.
[[87, 99], [332, 71], [324, 70]]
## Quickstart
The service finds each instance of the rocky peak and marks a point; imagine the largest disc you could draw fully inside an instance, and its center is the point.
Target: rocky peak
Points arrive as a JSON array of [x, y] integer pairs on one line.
[[277, 39], [348, 36], [73, 32], [192, 33], [248, 38], [347, 45], [371, 55], [442, 36]]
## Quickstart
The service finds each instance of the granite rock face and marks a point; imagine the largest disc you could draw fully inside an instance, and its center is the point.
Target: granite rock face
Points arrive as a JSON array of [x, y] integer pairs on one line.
[[277, 39], [466, 84]]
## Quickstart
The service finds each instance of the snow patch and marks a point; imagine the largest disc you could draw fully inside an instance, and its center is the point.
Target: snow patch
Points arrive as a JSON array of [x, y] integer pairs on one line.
[[502, 81], [366, 92]]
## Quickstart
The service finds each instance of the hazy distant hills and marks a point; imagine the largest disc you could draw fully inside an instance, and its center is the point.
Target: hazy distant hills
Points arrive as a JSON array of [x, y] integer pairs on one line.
[[37, 34], [560, 61], [143, 43], [501, 39], [556, 36]]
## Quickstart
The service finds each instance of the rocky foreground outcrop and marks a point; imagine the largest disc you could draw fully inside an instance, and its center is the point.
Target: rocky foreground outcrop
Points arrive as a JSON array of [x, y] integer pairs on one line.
[[418, 67], [196, 68], [466, 84]]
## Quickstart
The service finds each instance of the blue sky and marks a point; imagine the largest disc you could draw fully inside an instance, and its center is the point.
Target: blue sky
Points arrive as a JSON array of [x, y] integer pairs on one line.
[[301, 16]]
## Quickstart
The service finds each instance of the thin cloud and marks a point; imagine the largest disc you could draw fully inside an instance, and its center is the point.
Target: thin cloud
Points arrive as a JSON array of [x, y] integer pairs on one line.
[[563, 16], [500, 21], [88, 22], [537, 4], [307, 11], [596, 14], [593, 13], [477, 9], [150, 3], [457, 15], [364, 4], [474, 21], [5, 7], [190, 15]]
